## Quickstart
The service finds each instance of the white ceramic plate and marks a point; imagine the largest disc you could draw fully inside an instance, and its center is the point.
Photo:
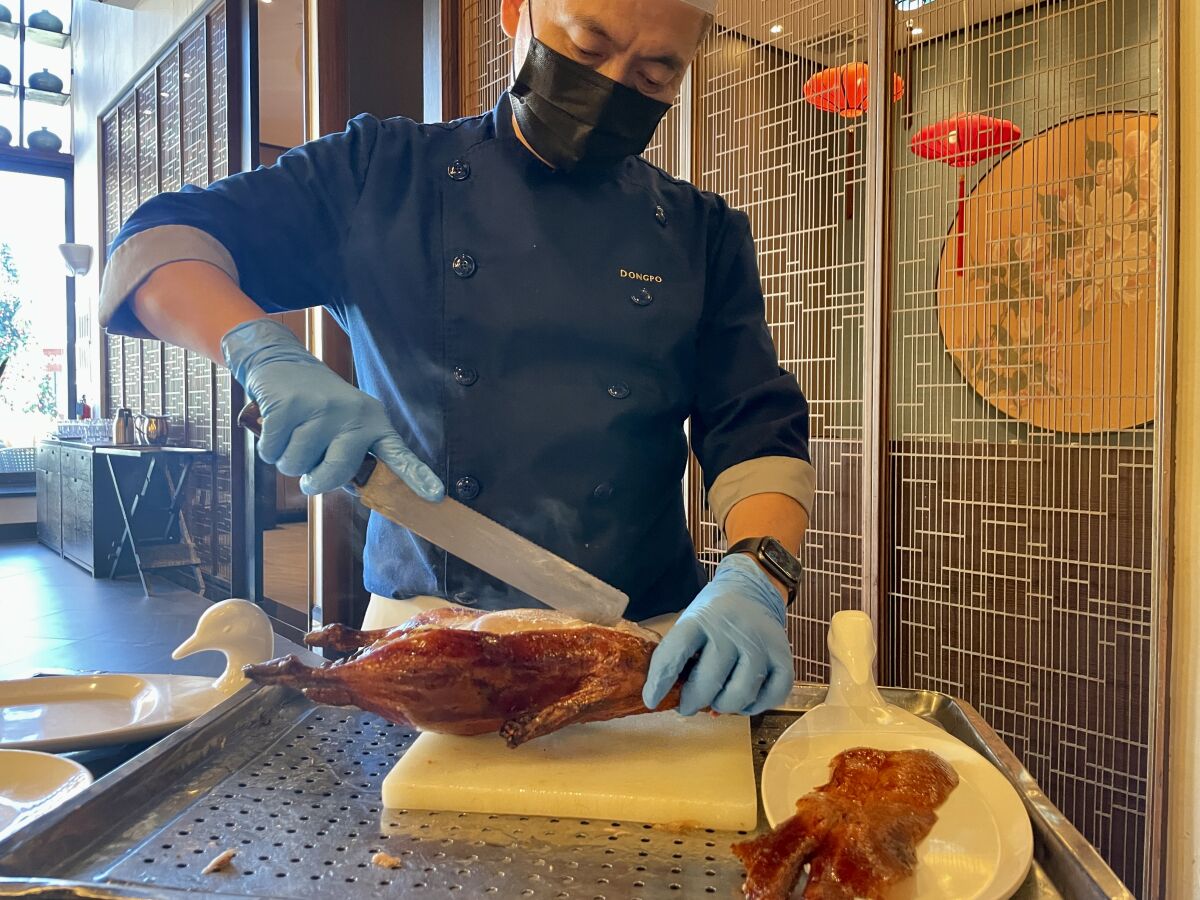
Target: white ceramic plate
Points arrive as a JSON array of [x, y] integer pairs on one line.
[[32, 784], [982, 845], [59, 714]]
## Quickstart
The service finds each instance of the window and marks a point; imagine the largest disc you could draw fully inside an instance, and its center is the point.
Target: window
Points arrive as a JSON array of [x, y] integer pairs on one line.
[[33, 306], [35, 75]]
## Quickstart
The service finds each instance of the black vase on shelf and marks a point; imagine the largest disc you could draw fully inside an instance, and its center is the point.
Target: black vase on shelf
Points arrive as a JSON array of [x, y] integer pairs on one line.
[[5, 136], [5, 13], [44, 139], [46, 21], [46, 80], [5, 75]]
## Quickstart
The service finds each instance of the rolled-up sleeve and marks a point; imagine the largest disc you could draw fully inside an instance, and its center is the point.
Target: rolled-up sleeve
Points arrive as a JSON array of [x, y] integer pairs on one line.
[[750, 419], [278, 231]]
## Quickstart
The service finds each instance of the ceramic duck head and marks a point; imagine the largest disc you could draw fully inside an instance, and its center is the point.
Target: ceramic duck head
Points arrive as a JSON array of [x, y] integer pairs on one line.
[[241, 631], [852, 661]]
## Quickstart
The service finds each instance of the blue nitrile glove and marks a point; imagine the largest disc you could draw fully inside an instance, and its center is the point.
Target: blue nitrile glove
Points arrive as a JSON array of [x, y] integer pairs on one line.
[[738, 626], [314, 423]]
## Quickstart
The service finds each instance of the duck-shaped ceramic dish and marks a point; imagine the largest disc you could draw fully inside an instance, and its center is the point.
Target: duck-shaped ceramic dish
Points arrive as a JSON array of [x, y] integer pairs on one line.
[[79, 712]]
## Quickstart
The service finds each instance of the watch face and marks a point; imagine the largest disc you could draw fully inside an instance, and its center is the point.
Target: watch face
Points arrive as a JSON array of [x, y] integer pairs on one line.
[[780, 557]]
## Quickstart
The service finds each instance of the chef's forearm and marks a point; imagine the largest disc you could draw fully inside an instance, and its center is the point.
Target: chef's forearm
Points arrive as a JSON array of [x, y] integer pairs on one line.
[[192, 304], [768, 515]]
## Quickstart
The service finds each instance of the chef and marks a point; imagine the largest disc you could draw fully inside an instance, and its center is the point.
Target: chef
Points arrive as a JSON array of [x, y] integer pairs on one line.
[[535, 312]]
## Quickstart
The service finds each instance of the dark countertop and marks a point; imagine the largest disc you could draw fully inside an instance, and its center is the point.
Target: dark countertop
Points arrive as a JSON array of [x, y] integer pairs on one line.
[[118, 448], [72, 442], [150, 450]]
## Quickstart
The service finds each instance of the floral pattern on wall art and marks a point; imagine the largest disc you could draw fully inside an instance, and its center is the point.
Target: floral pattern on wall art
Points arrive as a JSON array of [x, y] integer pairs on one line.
[[1052, 319]]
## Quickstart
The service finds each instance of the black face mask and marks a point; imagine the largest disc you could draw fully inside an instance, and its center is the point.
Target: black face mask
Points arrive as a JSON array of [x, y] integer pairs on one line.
[[575, 117]]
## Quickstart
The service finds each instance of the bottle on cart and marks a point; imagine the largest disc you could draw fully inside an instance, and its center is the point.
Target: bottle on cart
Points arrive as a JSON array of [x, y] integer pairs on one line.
[[123, 432]]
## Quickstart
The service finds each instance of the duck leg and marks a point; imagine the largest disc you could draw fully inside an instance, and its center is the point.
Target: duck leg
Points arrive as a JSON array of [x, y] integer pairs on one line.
[[343, 639], [316, 684], [436, 680], [595, 700]]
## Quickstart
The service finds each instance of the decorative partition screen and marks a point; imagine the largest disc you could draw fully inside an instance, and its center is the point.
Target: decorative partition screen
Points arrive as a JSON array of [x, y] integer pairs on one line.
[[174, 128], [1023, 326], [797, 171], [1024, 376]]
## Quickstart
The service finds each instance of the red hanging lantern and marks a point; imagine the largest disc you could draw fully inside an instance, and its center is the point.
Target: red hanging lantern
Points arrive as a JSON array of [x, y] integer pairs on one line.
[[962, 142], [845, 90]]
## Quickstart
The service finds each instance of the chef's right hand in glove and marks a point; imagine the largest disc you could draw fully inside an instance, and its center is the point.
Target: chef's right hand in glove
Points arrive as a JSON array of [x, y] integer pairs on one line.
[[314, 423], [737, 624]]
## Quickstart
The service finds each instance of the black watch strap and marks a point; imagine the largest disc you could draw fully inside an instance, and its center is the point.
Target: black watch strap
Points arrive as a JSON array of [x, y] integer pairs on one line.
[[773, 556]]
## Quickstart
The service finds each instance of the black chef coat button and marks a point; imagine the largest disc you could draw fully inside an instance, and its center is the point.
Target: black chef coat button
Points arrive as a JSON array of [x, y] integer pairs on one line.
[[463, 265], [466, 488], [465, 377], [459, 170], [642, 297], [602, 491], [618, 391], [462, 598], [660, 214]]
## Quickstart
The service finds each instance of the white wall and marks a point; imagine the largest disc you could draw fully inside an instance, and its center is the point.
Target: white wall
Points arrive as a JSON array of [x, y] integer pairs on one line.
[[1184, 823], [111, 46]]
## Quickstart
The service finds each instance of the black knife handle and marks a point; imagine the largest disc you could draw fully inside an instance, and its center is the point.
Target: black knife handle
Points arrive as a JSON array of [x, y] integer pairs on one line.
[[251, 418]]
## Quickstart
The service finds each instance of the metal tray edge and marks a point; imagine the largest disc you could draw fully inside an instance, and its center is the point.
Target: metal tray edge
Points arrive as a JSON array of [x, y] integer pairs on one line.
[[1070, 863]]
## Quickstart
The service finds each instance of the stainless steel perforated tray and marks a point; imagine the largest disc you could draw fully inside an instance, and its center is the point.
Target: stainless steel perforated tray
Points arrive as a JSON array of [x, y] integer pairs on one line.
[[294, 789]]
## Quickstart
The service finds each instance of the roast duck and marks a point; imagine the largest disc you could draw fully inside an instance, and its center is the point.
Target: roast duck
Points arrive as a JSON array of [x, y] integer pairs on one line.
[[523, 673], [858, 834], [529, 672]]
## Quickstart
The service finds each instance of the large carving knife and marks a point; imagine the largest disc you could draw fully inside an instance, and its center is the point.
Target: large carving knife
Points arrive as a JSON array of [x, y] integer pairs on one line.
[[477, 540]]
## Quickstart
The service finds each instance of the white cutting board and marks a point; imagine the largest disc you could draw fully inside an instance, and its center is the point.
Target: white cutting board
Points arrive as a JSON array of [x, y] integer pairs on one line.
[[657, 768]]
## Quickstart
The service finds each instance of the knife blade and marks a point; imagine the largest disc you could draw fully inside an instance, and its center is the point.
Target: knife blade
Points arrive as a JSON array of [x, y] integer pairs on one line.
[[481, 542]]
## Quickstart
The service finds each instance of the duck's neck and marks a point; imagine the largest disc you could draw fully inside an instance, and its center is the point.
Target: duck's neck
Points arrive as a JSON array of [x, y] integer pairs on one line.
[[232, 679], [851, 688]]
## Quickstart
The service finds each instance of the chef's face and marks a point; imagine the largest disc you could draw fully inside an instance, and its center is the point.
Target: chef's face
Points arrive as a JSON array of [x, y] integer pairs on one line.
[[644, 44]]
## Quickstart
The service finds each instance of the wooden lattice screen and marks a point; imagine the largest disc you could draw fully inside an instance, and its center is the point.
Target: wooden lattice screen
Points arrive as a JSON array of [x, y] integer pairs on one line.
[[173, 128]]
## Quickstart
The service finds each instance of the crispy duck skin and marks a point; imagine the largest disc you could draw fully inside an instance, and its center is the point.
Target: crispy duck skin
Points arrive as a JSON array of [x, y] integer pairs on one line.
[[522, 673], [858, 833]]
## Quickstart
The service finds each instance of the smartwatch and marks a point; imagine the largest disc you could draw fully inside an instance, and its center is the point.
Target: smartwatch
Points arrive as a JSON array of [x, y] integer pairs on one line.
[[776, 559]]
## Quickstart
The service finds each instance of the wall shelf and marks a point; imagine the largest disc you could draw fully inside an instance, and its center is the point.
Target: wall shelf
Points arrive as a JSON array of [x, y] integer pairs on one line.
[[51, 108], [52, 159], [56, 39], [53, 98]]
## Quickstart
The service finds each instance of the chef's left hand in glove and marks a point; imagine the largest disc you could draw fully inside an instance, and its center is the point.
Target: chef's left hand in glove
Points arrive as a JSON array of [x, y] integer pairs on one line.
[[738, 626]]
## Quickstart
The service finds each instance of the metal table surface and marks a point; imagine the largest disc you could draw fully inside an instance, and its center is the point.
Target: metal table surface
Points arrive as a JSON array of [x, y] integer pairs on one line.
[[294, 789]]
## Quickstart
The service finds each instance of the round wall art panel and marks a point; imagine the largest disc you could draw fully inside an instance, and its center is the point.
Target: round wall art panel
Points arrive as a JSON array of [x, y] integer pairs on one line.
[[1051, 318]]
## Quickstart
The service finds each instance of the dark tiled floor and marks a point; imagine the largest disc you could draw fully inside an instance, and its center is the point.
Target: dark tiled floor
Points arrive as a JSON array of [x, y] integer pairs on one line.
[[54, 615]]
